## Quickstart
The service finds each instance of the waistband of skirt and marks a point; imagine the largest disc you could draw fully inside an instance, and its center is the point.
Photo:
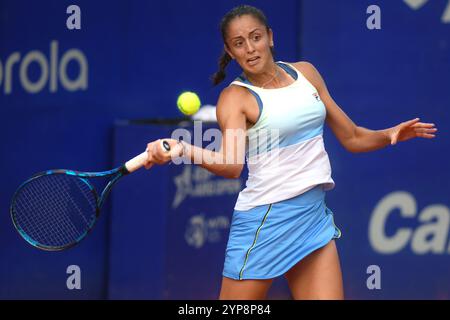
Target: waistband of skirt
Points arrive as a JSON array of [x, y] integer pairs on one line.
[[311, 196]]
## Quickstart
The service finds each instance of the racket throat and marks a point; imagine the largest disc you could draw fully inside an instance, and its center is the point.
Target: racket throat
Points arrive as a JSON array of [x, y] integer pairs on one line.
[[109, 186]]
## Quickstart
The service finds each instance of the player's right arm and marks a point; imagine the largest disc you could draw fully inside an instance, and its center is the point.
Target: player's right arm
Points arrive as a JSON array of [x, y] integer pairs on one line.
[[229, 161]]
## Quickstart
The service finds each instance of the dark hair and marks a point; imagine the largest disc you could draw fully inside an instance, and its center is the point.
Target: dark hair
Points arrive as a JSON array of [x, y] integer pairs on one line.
[[238, 11]]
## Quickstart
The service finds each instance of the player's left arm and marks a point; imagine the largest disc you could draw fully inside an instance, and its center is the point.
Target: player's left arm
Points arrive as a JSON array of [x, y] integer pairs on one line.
[[355, 138]]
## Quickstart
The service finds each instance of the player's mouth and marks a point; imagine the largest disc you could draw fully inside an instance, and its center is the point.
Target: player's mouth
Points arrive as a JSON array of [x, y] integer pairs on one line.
[[253, 61]]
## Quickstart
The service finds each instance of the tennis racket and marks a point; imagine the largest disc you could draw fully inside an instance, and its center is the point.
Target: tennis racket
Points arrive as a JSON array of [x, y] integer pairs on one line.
[[56, 209]]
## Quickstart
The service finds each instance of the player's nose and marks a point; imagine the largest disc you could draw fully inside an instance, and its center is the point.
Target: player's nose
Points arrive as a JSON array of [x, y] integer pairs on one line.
[[250, 47]]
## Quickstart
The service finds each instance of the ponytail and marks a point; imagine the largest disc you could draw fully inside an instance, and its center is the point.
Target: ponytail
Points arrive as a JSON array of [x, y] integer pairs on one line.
[[220, 75]]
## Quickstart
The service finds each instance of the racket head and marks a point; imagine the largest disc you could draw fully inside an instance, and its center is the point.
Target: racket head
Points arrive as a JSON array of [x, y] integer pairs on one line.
[[54, 210]]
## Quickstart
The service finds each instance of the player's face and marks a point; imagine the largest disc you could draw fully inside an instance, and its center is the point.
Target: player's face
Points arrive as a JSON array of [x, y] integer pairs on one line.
[[249, 43]]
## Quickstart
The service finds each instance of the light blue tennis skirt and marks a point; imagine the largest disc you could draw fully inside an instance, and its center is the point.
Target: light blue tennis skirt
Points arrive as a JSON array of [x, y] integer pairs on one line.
[[266, 241]]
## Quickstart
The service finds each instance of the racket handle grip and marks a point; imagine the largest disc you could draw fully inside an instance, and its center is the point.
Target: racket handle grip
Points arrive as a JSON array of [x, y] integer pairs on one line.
[[138, 161]]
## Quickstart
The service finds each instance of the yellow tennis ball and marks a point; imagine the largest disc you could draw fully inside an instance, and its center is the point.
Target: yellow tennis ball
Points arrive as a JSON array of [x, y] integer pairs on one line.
[[188, 103]]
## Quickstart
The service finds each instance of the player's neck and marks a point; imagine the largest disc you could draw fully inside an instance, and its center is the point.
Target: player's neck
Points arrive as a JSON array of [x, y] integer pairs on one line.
[[266, 78]]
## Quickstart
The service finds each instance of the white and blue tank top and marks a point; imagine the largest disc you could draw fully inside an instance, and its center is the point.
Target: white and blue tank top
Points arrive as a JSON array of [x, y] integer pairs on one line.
[[285, 152]]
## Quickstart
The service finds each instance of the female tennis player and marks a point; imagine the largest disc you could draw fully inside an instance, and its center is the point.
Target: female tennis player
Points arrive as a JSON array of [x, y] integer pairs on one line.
[[281, 224]]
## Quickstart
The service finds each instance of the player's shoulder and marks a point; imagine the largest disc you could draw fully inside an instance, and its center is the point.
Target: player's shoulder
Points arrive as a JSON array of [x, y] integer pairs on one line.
[[232, 101], [305, 67], [309, 71], [230, 104], [233, 94]]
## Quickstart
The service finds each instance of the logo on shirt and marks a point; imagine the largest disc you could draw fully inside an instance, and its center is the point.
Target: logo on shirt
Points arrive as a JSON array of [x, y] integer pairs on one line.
[[316, 95]]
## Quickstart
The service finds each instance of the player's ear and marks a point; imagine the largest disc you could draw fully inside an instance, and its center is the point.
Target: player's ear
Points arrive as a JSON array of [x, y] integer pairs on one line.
[[270, 33], [225, 47]]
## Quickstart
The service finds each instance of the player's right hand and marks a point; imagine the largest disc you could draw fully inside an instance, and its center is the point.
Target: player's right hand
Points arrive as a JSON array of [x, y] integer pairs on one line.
[[157, 154]]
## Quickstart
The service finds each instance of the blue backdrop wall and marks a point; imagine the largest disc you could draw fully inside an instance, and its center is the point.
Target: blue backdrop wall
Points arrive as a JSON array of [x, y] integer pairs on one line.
[[62, 90], [138, 56], [393, 204]]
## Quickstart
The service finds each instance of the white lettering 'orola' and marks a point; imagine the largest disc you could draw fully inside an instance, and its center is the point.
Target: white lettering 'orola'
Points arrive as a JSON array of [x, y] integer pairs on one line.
[[52, 70]]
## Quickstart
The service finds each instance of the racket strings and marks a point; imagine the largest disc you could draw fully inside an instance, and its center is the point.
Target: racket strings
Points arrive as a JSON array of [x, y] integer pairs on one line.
[[55, 210], [45, 218]]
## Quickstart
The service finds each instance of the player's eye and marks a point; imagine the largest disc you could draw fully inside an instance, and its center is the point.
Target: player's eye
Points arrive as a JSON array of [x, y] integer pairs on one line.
[[256, 37]]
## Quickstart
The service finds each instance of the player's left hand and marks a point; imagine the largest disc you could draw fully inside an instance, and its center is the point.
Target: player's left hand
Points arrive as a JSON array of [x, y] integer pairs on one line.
[[411, 129]]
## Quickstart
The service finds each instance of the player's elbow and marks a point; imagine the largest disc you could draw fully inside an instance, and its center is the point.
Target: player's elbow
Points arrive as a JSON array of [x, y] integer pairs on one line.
[[353, 148], [234, 175], [351, 144], [350, 148], [233, 171]]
